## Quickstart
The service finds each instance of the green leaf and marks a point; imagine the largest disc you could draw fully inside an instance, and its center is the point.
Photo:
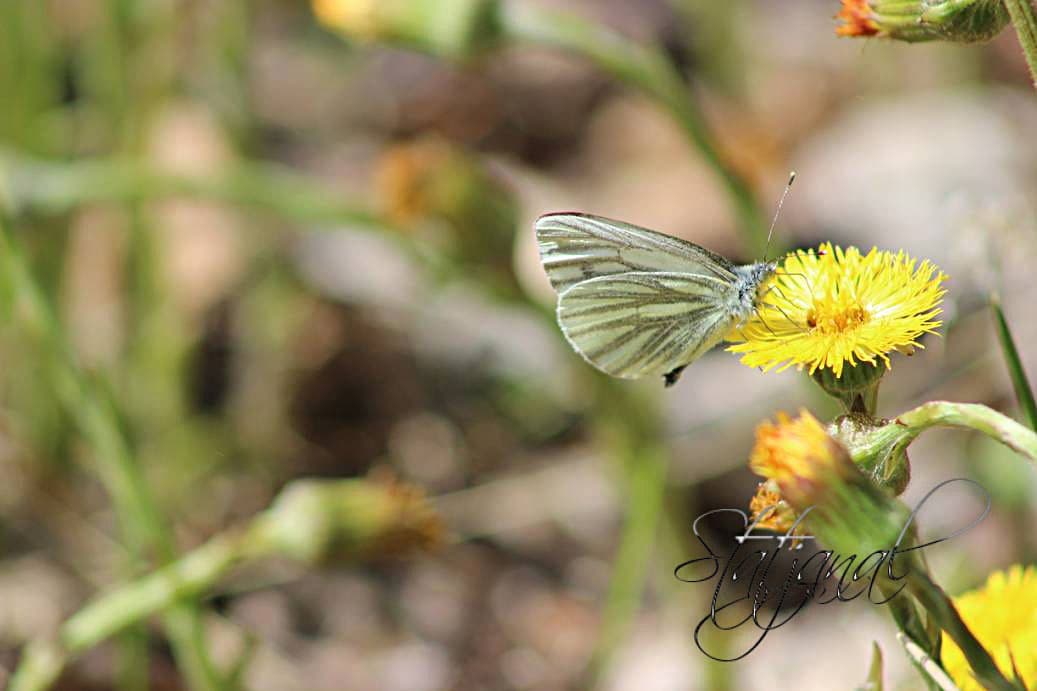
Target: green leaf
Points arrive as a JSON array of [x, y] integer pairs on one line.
[[874, 680]]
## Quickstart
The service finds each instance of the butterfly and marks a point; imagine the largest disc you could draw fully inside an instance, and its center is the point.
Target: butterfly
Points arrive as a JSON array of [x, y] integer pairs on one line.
[[634, 302]]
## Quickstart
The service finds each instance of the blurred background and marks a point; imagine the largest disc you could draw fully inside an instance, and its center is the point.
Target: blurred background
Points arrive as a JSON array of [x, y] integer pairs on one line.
[[281, 253]]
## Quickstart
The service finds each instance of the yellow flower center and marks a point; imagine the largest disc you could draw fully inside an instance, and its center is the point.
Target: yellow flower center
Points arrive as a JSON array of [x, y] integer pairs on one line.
[[829, 322]]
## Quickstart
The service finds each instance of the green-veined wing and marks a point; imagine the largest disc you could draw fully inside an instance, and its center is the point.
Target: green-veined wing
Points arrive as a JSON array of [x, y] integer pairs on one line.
[[577, 247], [637, 324]]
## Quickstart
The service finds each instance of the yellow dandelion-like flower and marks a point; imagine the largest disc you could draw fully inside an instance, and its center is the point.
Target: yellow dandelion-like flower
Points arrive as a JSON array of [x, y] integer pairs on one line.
[[1002, 615], [834, 307]]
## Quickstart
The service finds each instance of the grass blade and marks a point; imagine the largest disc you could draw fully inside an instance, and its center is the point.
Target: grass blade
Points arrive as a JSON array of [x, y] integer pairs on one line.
[[1023, 390]]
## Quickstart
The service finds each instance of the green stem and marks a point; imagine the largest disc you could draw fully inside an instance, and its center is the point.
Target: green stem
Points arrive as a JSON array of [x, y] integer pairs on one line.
[[629, 431], [114, 612], [646, 474], [968, 416], [92, 412], [940, 607], [891, 439], [32, 185], [931, 671], [1025, 23], [311, 522], [648, 70]]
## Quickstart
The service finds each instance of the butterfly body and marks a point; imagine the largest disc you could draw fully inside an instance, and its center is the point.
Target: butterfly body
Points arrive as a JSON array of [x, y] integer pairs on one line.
[[749, 285], [634, 302]]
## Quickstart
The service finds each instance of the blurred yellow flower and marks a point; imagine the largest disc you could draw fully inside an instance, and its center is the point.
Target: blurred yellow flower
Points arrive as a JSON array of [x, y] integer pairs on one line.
[[354, 17], [450, 28], [856, 19], [1002, 614], [828, 308]]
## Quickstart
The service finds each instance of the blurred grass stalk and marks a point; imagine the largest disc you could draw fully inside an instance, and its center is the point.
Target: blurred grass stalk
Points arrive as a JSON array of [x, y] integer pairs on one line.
[[1025, 22], [628, 428], [90, 409], [32, 185], [311, 521]]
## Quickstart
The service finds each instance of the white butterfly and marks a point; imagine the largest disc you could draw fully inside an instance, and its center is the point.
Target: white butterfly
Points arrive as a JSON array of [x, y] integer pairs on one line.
[[634, 302]]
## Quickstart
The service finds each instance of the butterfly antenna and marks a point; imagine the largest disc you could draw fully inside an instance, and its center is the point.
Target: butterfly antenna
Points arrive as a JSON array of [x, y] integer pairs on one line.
[[777, 212]]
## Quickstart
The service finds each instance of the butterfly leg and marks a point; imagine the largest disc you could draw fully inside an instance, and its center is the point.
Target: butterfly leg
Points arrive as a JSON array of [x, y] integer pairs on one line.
[[671, 377], [778, 307]]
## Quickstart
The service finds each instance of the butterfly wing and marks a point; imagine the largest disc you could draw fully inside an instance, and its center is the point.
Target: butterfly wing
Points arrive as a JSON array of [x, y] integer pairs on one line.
[[639, 323], [577, 247]]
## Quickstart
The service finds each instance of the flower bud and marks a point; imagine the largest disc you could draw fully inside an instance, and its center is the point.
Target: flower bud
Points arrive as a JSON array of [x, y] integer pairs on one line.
[[431, 181], [927, 20], [887, 465], [454, 28], [779, 517], [847, 510], [857, 386], [317, 521]]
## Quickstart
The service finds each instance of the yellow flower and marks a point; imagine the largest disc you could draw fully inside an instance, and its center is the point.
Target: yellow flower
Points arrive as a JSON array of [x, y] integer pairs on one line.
[[1002, 614], [828, 308], [355, 17], [450, 28]]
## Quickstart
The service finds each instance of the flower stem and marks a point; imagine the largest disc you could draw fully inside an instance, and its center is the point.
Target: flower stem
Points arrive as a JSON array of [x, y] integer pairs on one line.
[[30, 184], [968, 416], [648, 70], [629, 431], [129, 604], [646, 474], [1025, 22], [892, 439], [933, 674], [940, 607], [311, 521]]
